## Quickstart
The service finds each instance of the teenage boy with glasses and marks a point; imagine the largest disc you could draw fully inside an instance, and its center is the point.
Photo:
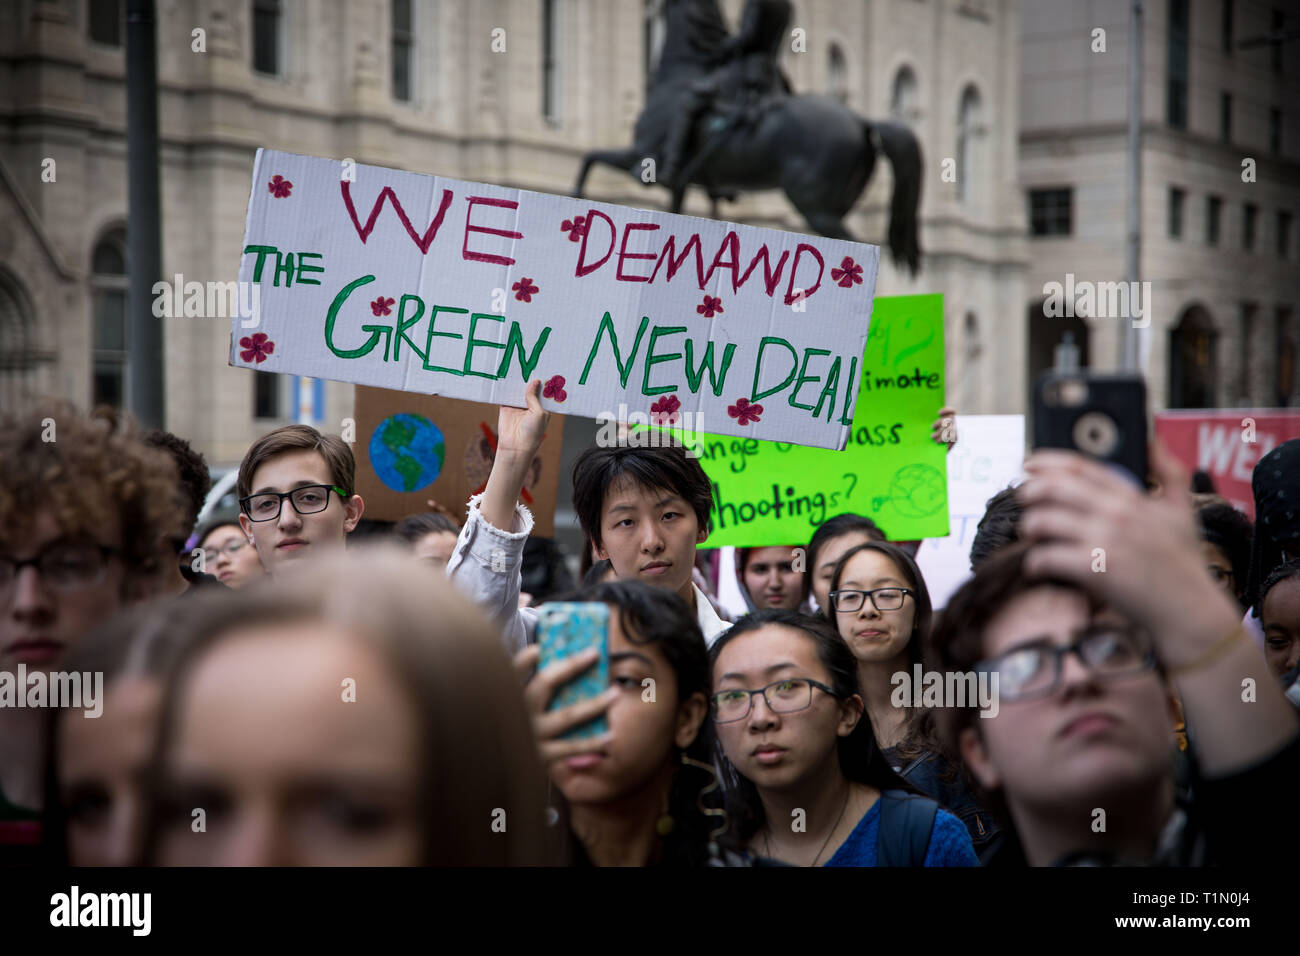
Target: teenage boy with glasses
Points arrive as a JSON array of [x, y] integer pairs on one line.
[[1078, 756], [296, 498], [85, 508]]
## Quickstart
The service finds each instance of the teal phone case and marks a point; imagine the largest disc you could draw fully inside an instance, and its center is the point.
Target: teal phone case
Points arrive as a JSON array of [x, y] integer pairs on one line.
[[568, 628]]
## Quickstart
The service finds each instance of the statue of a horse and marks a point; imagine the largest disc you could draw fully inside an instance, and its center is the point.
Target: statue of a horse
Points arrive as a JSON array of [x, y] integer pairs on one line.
[[812, 147]]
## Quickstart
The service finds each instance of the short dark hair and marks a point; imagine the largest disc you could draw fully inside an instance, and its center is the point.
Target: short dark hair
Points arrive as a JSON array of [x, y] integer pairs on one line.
[[338, 456], [827, 531], [666, 468], [860, 757], [195, 481], [414, 527], [1282, 572], [998, 528], [1230, 531]]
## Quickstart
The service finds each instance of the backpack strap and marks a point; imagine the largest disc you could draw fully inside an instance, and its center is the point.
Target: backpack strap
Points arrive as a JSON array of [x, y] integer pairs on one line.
[[906, 822]]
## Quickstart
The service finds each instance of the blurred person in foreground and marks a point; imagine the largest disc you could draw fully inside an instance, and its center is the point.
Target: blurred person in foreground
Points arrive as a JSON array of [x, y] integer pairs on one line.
[[96, 764], [1077, 758], [360, 715], [85, 507]]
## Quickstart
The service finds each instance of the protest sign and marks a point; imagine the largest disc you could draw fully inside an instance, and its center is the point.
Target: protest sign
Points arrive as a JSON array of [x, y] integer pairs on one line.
[[438, 286], [411, 448], [1226, 444], [989, 456], [773, 493]]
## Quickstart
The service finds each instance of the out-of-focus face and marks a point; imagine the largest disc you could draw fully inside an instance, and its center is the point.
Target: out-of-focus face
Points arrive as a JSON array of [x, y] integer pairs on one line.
[[288, 771], [102, 766], [230, 556], [649, 535], [1088, 741], [872, 635], [827, 558], [645, 727], [771, 579], [436, 547], [292, 537], [43, 616], [1281, 618], [777, 751], [1219, 567]]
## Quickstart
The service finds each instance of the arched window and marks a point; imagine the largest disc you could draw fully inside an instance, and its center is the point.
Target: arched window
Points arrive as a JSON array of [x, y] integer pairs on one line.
[[20, 360], [837, 74], [1192, 365], [904, 105], [969, 131], [108, 285]]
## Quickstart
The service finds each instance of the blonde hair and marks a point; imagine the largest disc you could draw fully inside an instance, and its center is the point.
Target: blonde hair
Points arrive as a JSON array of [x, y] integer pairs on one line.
[[476, 736]]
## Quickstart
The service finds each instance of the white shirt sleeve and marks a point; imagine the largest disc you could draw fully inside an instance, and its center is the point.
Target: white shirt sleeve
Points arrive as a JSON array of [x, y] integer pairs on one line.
[[487, 567]]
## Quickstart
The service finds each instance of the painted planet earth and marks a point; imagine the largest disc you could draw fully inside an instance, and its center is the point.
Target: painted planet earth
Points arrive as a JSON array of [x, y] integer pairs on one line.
[[918, 490], [406, 452]]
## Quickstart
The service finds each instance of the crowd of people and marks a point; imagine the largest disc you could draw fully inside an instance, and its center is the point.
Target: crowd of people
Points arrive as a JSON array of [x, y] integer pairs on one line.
[[254, 691]]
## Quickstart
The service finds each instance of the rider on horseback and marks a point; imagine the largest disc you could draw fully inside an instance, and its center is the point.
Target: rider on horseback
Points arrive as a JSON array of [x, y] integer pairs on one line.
[[746, 77]]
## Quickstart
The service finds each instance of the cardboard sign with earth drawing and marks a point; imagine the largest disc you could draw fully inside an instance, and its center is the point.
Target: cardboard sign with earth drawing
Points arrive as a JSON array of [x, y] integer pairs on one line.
[[411, 448]]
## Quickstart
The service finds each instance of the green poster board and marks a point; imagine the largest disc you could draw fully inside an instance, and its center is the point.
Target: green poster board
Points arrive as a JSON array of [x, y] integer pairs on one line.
[[891, 470]]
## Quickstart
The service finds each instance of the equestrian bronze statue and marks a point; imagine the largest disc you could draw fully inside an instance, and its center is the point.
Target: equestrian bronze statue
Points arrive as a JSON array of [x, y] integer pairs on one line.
[[720, 114]]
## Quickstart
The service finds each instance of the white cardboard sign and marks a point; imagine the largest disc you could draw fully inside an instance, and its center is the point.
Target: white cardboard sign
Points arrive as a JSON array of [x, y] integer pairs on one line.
[[988, 456], [444, 287]]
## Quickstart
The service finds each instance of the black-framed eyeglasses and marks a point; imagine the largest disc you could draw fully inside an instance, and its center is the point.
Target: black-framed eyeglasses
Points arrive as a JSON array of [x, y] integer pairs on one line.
[[230, 549], [307, 500], [1034, 670], [782, 696], [71, 564], [882, 599]]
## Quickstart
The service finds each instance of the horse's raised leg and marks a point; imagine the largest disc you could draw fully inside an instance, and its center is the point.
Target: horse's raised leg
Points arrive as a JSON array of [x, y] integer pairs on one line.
[[625, 159]]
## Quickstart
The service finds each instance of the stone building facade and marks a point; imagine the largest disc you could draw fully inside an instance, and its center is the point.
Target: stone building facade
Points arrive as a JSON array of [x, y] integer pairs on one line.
[[503, 91], [1220, 189]]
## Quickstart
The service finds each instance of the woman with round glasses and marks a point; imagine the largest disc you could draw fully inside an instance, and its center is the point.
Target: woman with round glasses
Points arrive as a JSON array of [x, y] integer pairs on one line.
[[881, 608], [229, 556], [805, 782]]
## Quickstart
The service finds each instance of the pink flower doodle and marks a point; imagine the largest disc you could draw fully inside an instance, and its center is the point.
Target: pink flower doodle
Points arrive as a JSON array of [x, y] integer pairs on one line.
[[848, 274], [554, 388], [744, 412], [524, 291], [382, 306], [575, 227], [709, 306], [279, 186], [257, 348], [664, 411]]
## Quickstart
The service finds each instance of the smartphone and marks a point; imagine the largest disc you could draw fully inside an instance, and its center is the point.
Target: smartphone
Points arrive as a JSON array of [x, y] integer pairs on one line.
[[566, 628], [1103, 416]]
